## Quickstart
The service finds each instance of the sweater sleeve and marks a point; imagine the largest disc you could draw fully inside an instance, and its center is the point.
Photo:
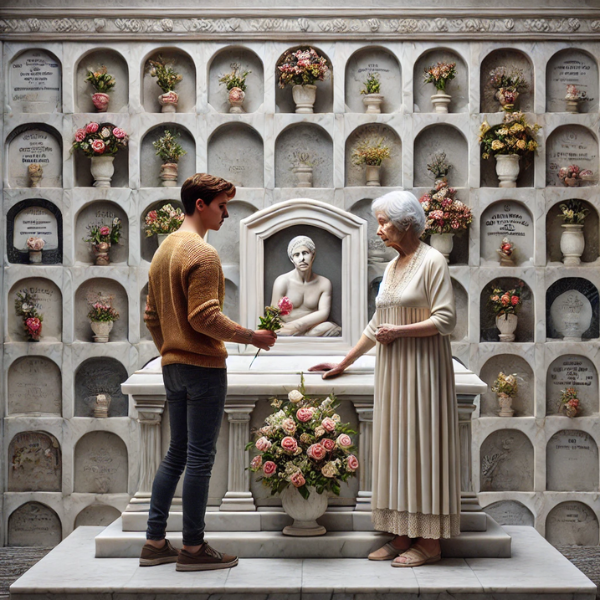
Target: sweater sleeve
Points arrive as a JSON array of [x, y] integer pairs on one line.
[[441, 294], [151, 318]]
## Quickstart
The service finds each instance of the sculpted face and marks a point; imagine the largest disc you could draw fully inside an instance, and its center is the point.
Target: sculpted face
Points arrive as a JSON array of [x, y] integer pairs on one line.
[[302, 258]]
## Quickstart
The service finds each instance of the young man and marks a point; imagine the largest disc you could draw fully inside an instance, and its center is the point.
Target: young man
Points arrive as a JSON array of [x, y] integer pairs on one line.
[[186, 289]]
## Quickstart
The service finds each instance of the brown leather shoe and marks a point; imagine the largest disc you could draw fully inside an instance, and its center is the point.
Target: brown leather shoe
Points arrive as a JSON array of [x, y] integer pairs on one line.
[[152, 556], [205, 559]]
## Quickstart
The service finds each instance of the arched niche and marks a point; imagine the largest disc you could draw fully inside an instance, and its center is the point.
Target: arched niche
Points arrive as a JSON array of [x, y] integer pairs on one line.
[[591, 233], [391, 169], [572, 524], [572, 310], [144, 333], [441, 138], [149, 244], [34, 387], [183, 63], [101, 464], [487, 319], [572, 462], [35, 82], [507, 219], [284, 102], [299, 140], [48, 304], [34, 143], [34, 218], [458, 87], [100, 375], [224, 62], [524, 401], [461, 297], [150, 163], [101, 212], [82, 165], [571, 145], [34, 524], [378, 251], [509, 58], [373, 59], [116, 65], [236, 153], [510, 512], [572, 66], [506, 462], [576, 371], [35, 463], [90, 289], [231, 304], [489, 178], [98, 515], [227, 240]]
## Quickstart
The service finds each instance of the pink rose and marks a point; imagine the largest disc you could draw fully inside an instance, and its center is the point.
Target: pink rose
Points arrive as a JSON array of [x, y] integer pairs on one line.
[[289, 444], [104, 230], [328, 444], [316, 452], [289, 426], [297, 479], [91, 127], [98, 146], [328, 424], [352, 462], [80, 135], [262, 444], [285, 306], [344, 441], [33, 323], [119, 133], [269, 468], [304, 414], [256, 463]]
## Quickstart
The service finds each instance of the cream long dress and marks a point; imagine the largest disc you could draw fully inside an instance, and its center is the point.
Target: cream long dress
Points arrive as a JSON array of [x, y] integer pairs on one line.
[[416, 485]]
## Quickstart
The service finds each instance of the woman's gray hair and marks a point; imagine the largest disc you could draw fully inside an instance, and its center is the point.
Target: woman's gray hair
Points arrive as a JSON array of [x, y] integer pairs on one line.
[[300, 240], [402, 209]]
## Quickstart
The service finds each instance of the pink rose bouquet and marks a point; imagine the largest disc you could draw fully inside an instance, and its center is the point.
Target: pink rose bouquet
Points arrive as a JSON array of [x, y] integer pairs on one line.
[[97, 139], [26, 305], [271, 321]]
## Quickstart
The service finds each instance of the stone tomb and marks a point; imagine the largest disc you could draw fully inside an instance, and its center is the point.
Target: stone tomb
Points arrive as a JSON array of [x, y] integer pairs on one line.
[[35, 82], [572, 371], [572, 524], [34, 463], [572, 310], [34, 386], [98, 515], [101, 464], [34, 524], [570, 145], [572, 462], [510, 512]]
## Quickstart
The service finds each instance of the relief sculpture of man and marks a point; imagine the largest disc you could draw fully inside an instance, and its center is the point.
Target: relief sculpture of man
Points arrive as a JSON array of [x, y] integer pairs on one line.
[[310, 294]]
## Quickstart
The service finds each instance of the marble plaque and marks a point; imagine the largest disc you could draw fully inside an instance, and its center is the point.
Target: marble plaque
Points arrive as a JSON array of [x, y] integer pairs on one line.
[[572, 371], [35, 221], [34, 524], [35, 463], [34, 386], [506, 462], [571, 66], [572, 462], [101, 464], [35, 82], [31, 145], [570, 145], [574, 311], [572, 524], [97, 515], [571, 315], [510, 512], [101, 375], [507, 219]]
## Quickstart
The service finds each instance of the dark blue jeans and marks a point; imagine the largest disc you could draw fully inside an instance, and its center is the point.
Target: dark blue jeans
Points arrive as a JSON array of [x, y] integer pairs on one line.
[[196, 401]]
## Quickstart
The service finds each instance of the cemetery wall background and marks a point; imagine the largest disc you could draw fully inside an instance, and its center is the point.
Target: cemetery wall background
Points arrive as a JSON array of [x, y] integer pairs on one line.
[[61, 466]]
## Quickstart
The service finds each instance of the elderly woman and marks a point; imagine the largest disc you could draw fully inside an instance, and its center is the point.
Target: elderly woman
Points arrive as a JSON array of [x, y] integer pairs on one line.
[[416, 487]]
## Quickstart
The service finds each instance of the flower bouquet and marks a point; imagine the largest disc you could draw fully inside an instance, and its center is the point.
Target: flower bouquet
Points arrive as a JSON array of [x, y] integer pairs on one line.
[[573, 175], [569, 402], [163, 221], [102, 316], [506, 388], [169, 151], [236, 86], [371, 153], [506, 252], [573, 98], [26, 307], [271, 321], [166, 78], [439, 166], [508, 85], [440, 74], [35, 246], [102, 237], [505, 305], [572, 212], [102, 82], [371, 90]]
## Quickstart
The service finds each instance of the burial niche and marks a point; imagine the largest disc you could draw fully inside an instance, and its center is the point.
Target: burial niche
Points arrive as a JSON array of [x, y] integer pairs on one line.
[[34, 144], [35, 463], [34, 524], [510, 512], [101, 464], [34, 387], [35, 86], [572, 371], [571, 145], [572, 524], [100, 375], [572, 462], [97, 515], [34, 218], [506, 459]]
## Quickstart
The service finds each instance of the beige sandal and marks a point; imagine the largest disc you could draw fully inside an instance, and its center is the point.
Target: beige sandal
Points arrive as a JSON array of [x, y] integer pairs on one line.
[[391, 553], [417, 556]]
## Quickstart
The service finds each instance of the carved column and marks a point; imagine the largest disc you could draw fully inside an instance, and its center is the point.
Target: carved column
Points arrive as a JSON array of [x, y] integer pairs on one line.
[[365, 454], [468, 498], [238, 496]]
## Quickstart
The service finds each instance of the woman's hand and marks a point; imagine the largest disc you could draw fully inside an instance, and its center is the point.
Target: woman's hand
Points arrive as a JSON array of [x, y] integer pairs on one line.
[[386, 333], [331, 369]]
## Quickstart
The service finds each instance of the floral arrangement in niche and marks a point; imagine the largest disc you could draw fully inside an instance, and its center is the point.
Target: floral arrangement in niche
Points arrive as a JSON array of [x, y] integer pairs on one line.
[[167, 147], [509, 84], [26, 305], [235, 79], [573, 92], [166, 76], [443, 212], [506, 251], [506, 384], [440, 74], [99, 139], [109, 234], [573, 212], [372, 85], [569, 402], [100, 79], [439, 166], [370, 152], [164, 220], [572, 175], [102, 315], [506, 302], [304, 444], [513, 136], [302, 67]]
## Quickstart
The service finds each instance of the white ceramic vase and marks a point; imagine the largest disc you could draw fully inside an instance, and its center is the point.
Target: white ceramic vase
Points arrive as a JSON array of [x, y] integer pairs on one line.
[[372, 175], [101, 330], [373, 103], [505, 402], [442, 242], [236, 99], [572, 244], [168, 174], [304, 176], [100, 100], [507, 169], [507, 325], [304, 512], [161, 237], [441, 101], [304, 96], [103, 169], [35, 256]]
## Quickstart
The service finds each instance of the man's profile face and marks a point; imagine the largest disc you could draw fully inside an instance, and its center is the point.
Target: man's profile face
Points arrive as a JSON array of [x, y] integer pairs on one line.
[[302, 258]]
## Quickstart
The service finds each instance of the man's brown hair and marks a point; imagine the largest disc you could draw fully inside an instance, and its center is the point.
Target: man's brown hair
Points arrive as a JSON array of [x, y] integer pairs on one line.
[[204, 186]]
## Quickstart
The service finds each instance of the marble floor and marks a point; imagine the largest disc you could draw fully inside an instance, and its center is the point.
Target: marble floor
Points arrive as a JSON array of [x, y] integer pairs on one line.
[[536, 570]]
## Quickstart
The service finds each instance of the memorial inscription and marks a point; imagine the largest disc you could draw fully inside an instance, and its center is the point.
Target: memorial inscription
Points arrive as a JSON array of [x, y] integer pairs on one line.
[[35, 463], [572, 67], [510, 220], [572, 524], [34, 386], [34, 145], [572, 462], [34, 524], [577, 372], [510, 512], [570, 145], [35, 222], [35, 82]]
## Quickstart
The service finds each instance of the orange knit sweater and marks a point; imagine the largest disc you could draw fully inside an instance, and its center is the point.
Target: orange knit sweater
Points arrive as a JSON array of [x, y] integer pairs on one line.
[[186, 289]]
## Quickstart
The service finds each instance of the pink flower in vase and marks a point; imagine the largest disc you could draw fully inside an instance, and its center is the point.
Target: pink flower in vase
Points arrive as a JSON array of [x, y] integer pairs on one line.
[[352, 462], [80, 135], [344, 441], [236, 95], [289, 444], [104, 230], [269, 468], [328, 444], [119, 133], [297, 479], [92, 127], [304, 414], [256, 463], [98, 146], [285, 306], [316, 452], [262, 444]]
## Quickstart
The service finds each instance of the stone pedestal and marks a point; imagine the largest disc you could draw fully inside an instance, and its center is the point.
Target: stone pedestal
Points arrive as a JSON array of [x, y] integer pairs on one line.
[[365, 454], [468, 498]]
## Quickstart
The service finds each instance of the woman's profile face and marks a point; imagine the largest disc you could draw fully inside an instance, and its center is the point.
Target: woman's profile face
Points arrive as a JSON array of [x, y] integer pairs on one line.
[[390, 235]]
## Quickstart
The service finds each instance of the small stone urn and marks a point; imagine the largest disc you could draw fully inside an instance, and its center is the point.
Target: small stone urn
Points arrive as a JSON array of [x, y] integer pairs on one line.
[[35, 173], [236, 99], [373, 103], [572, 105], [304, 176], [505, 402], [168, 102], [101, 406], [572, 244], [507, 325], [507, 169], [372, 175], [168, 174], [441, 101], [101, 256], [304, 512], [101, 330], [100, 101], [304, 96], [442, 242], [103, 169]]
